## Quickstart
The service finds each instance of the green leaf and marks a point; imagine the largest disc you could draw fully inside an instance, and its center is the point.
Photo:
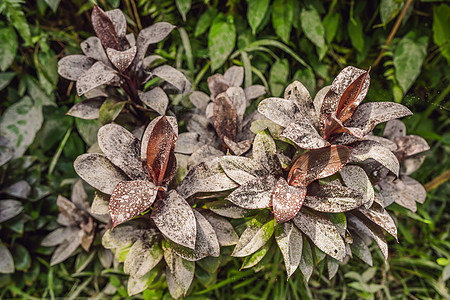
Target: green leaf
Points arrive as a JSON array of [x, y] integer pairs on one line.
[[441, 32], [205, 21], [22, 258], [256, 257], [355, 31], [408, 58], [278, 76], [17, 19], [47, 66], [53, 4], [312, 26], [183, 7], [5, 79], [88, 130], [255, 12], [8, 47], [387, 9], [282, 15], [307, 78], [331, 23], [38, 95], [109, 110], [221, 41]]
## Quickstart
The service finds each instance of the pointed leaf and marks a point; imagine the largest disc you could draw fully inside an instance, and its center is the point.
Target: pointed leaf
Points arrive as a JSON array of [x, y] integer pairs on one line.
[[6, 260], [381, 217], [174, 289], [142, 258], [237, 97], [281, 111], [119, 21], [183, 272], [187, 143], [306, 262], [242, 169], [151, 35], [237, 148], [217, 84], [9, 209], [137, 285], [174, 77], [92, 47], [290, 242], [129, 199], [221, 40], [148, 131], [156, 99], [121, 59], [304, 135], [224, 230], [350, 99], [234, 76], [87, 109], [287, 200], [199, 99], [97, 75], [356, 178], [254, 194], [254, 91], [360, 249], [227, 209], [411, 145], [175, 219], [318, 99], [224, 117], [255, 258], [104, 28], [297, 93], [404, 191], [66, 249], [369, 149], [73, 66], [265, 152], [318, 227], [333, 198], [333, 266]]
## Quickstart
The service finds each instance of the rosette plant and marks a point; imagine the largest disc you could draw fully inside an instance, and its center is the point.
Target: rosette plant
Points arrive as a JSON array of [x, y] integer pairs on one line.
[[138, 174], [114, 71], [217, 123]]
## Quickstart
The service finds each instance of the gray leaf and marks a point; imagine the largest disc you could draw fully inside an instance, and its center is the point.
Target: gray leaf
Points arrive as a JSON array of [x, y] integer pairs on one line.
[[99, 172], [203, 154], [304, 135], [20, 189], [142, 258], [224, 230], [234, 76], [205, 177], [297, 93], [126, 234], [217, 84], [290, 242], [148, 132], [79, 196], [265, 152], [73, 66], [318, 99], [369, 149], [242, 169], [333, 266], [175, 219], [118, 19], [153, 61], [237, 148], [281, 111], [187, 143], [404, 191], [9, 209], [174, 77], [237, 96], [151, 35], [318, 227], [394, 129], [156, 99], [306, 263], [199, 99], [227, 209], [381, 217], [356, 178], [121, 59], [87, 109], [333, 198], [66, 249], [137, 285], [254, 194], [183, 272], [412, 164], [6, 260], [174, 289], [411, 145], [97, 75], [201, 125], [100, 204], [254, 91], [121, 147], [58, 236], [382, 141], [360, 249], [92, 47]]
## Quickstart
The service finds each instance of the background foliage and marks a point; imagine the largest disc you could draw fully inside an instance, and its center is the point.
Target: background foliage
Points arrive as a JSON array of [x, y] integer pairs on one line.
[[407, 44]]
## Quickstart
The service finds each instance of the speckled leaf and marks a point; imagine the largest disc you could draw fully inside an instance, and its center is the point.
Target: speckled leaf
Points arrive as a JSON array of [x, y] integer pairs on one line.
[[369, 149], [97, 75], [383, 141], [110, 110], [119, 21], [381, 217], [151, 35], [404, 191], [411, 145], [121, 147], [297, 93], [6, 260], [237, 97], [92, 47], [66, 249], [126, 234], [199, 99], [87, 109], [183, 272], [224, 230], [304, 135], [137, 285], [412, 164], [333, 198], [57, 236], [255, 236], [129, 199], [69, 212], [265, 152], [254, 91], [104, 28], [350, 99], [174, 289], [318, 227], [227, 209], [253, 259], [174, 77], [234, 76], [149, 129], [207, 176], [9, 209], [368, 115], [290, 242], [156, 99], [360, 249], [394, 129], [221, 40], [142, 258], [242, 169], [356, 178], [100, 204], [73, 66], [225, 117], [187, 143], [286, 200], [121, 59], [237, 148], [175, 219], [254, 194], [318, 99], [281, 111], [99, 172], [318, 163], [306, 262], [217, 84]]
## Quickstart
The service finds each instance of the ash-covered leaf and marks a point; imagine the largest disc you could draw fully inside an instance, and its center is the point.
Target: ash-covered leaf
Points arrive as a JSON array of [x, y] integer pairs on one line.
[[361, 250], [287, 200], [9, 209], [225, 117], [183, 272], [356, 178], [149, 129], [156, 99], [6, 260], [104, 28], [129, 199], [318, 227], [254, 194], [73, 66], [175, 219], [142, 258], [265, 153], [121, 147], [126, 234], [137, 285], [394, 129], [281, 111], [100, 205], [368, 115], [381, 217], [333, 266], [92, 47], [297, 93], [87, 109], [199, 99], [306, 262], [237, 97], [318, 99], [411, 145], [207, 176], [234, 76], [66, 249], [79, 196], [175, 289], [217, 84], [333, 198], [318, 163], [57, 236], [21, 189], [97, 75], [290, 242], [364, 150], [304, 135], [242, 169], [119, 21], [224, 230], [255, 236], [383, 141], [412, 164], [174, 77], [227, 209], [255, 258], [151, 35], [404, 191], [121, 59], [254, 91], [187, 143], [98, 171], [237, 148]]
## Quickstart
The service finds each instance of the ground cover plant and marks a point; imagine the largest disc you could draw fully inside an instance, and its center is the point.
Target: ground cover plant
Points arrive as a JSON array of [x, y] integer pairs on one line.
[[265, 44]]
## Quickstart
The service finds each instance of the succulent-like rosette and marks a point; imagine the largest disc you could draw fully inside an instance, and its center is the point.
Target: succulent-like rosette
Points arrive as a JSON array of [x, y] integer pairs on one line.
[[115, 59], [217, 123], [150, 219]]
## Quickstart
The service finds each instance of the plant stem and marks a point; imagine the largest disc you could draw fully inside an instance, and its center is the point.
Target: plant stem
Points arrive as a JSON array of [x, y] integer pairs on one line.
[[437, 181]]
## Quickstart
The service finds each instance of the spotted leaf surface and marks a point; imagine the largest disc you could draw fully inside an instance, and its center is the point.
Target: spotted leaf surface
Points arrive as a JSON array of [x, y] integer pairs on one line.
[[234, 76], [97, 75], [254, 194], [224, 117], [121, 59], [290, 242], [73, 66], [333, 198], [9, 209], [280, 111], [87, 109], [360, 249], [404, 191], [174, 77], [148, 131], [394, 129], [410, 145], [142, 258], [286, 200], [130, 198], [151, 35], [156, 99], [381, 217], [104, 29], [92, 47], [222, 227], [372, 150], [304, 135], [237, 148], [356, 178], [297, 93], [306, 262], [227, 209], [242, 169], [265, 152], [217, 84]]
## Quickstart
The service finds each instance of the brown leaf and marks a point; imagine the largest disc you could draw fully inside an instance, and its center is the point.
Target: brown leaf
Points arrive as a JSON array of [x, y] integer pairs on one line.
[[318, 163], [104, 29], [349, 99], [287, 200], [224, 117], [160, 145]]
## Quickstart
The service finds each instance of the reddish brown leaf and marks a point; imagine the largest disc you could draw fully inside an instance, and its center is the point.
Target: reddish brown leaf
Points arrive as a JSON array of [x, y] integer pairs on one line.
[[287, 200], [318, 163], [333, 125], [104, 29], [224, 117], [161, 143]]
